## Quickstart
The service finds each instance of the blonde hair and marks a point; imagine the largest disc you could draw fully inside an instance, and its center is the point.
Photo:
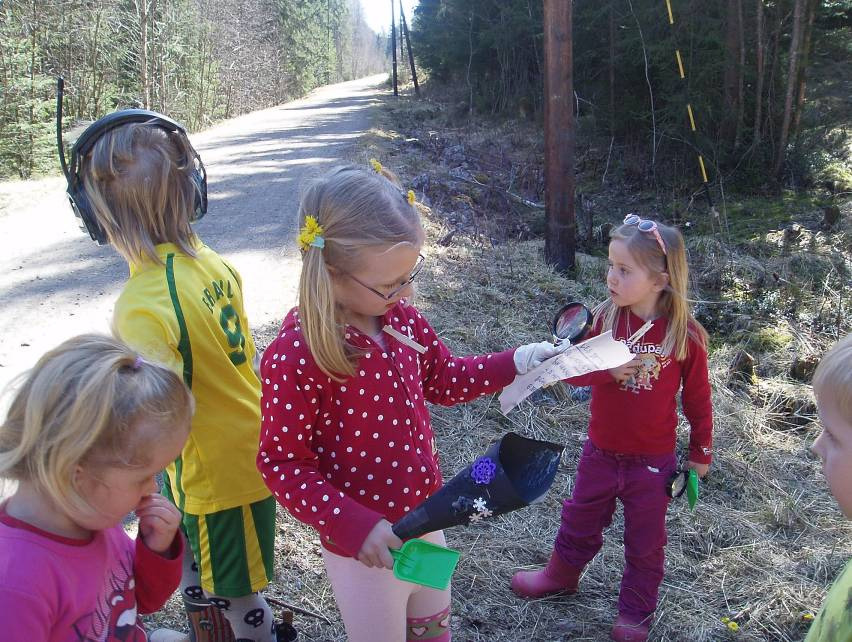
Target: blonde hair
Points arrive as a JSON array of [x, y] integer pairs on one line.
[[358, 209], [833, 377], [673, 302], [138, 179], [81, 405]]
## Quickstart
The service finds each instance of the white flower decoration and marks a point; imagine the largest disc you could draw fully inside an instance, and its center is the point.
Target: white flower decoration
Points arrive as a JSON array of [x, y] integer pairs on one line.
[[479, 504]]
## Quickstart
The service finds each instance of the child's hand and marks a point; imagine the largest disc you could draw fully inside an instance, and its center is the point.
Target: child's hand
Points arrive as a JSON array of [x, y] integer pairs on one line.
[[626, 372], [374, 551], [158, 522], [532, 355], [700, 469]]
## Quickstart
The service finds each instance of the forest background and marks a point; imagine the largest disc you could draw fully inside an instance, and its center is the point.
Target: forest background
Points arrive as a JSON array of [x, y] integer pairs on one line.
[[199, 61], [767, 81]]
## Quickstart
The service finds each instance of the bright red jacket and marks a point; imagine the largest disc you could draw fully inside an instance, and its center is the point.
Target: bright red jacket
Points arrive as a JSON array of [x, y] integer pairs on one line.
[[342, 456], [641, 417]]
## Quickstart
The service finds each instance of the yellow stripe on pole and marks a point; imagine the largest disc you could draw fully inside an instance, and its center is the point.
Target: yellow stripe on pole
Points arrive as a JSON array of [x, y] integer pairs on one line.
[[679, 64], [671, 16], [691, 117], [703, 171]]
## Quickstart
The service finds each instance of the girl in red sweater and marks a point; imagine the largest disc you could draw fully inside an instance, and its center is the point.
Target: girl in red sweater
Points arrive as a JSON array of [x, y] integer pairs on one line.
[[630, 452], [346, 443]]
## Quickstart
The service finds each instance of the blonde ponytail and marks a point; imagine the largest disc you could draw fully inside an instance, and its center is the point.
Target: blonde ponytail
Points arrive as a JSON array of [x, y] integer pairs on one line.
[[320, 318], [357, 209]]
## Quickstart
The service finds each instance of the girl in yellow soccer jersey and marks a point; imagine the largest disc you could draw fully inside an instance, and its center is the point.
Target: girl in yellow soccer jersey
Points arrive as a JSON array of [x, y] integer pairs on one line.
[[142, 184]]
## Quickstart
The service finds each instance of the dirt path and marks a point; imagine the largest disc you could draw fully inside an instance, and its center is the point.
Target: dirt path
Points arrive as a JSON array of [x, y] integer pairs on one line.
[[56, 283]]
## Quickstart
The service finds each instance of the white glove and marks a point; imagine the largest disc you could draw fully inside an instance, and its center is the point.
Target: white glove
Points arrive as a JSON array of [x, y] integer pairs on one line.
[[532, 355]]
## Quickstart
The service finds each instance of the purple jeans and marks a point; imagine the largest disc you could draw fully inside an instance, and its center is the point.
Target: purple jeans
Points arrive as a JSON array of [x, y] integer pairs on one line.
[[639, 481]]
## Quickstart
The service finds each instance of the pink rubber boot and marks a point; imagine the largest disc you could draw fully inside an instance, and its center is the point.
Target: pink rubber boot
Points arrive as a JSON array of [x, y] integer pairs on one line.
[[556, 577], [625, 630]]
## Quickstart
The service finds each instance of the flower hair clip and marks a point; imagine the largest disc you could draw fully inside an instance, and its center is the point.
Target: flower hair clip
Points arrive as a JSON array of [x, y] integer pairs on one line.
[[311, 234], [409, 196]]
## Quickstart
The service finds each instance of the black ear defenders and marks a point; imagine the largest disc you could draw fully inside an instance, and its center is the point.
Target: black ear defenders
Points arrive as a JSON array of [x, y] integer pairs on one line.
[[75, 189]]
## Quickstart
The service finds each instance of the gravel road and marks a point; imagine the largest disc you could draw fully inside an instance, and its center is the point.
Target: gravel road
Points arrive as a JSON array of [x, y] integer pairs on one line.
[[57, 283]]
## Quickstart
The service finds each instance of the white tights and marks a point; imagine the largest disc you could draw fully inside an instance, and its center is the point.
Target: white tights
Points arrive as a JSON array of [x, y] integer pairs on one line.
[[377, 606]]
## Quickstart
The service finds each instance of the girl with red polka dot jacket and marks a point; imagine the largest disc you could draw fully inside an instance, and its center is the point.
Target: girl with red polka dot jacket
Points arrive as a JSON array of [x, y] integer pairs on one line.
[[346, 443]]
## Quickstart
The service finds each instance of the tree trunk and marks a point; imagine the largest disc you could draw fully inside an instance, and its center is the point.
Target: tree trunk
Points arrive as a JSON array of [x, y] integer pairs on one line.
[[393, 48], [740, 75], [560, 238], [612, 69], [773, 84], [731, 75], [758, 92], [807, 45], [144, 79], [792, 78], [26, 167]]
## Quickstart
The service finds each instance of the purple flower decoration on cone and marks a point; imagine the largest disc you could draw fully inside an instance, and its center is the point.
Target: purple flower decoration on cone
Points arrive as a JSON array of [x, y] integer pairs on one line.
[[482, 471]]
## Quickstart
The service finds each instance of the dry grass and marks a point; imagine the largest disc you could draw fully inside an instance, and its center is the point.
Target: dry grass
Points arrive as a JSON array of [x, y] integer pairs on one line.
[[761, 548]]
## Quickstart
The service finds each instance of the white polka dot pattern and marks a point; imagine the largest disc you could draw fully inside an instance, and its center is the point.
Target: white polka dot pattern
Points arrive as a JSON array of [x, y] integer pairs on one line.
[[339, 456]]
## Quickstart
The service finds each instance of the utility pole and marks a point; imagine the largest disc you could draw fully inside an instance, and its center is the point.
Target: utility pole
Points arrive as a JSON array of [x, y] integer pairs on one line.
[[393, 48], [559, 244], [408, 45]]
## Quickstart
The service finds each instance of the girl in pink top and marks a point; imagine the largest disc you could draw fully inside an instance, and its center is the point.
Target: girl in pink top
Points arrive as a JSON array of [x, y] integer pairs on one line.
[[346, 442], [87, 431]]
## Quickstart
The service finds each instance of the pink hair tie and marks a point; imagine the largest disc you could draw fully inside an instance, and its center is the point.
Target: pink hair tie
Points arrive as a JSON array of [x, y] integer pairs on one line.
[[137, 363]]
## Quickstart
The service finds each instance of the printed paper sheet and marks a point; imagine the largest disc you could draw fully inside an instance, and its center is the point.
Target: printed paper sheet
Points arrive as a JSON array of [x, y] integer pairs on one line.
[[599, 353]]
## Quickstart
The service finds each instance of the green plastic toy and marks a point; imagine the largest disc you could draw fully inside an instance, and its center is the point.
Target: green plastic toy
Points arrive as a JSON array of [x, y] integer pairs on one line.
[[692, 488], [684, 481], [425, 563]]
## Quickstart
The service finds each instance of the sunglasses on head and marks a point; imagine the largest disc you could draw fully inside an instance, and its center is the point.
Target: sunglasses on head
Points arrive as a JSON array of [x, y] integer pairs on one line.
[[647, 226]]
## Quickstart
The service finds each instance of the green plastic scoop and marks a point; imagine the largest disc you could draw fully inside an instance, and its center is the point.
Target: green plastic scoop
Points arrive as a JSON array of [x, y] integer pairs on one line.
[[692, 488], [425, 563]]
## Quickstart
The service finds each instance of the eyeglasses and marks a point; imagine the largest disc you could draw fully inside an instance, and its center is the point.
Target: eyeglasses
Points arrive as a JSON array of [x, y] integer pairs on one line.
[[390, 295], [647, 226]]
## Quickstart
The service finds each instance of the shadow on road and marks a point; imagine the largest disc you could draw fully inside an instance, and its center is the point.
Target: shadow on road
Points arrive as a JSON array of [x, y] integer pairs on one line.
[[256, 165]]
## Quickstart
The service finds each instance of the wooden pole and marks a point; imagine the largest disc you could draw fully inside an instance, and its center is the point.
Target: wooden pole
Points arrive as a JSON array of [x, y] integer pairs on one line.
[[393, 48], [559, 244], [401, 40], [410, 52]]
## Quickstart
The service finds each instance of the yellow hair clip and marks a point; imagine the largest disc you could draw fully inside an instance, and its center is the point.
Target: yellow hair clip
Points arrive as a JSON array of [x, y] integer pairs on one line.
[[376, 165], [411, 197], [311, 234]]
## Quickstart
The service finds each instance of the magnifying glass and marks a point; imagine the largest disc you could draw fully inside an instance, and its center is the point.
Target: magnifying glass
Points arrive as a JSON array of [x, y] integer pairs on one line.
[[683, 481], [572, 323]]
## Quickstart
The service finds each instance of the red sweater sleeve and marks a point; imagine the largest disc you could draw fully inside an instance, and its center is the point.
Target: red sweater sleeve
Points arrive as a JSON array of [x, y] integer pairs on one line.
[[448, 380], [697, 405], [157, 576], [290, 465]]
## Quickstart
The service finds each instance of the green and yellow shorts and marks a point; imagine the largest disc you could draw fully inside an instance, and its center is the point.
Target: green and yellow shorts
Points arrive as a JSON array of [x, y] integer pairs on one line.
[[234, 548]]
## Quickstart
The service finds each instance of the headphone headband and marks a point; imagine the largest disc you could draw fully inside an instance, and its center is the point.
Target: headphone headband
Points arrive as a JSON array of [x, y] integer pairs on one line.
[[88, 139], [93, 132]]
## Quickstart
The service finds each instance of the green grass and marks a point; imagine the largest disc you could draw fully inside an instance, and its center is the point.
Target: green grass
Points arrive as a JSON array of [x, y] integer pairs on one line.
[[750, 218]]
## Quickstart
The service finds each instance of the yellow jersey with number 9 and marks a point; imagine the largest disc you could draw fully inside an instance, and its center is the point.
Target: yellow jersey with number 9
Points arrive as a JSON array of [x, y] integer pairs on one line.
[[188, 314]]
